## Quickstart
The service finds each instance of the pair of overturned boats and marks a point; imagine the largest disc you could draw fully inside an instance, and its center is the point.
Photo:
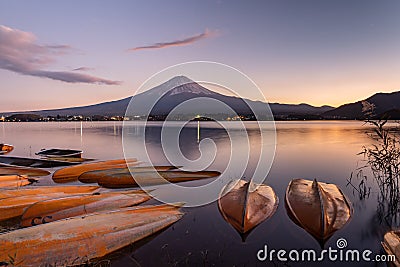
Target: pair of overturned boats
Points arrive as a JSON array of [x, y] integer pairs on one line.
[[319, 208]]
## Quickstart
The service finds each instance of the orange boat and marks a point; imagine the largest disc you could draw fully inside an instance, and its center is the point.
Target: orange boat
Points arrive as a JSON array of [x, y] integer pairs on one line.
[[77, 240], [61, 208], [96, 176], [154, 178], [71, 174], [44, 190], [245, 205], [13, 170], [15, 183], [12, 207], [4, 178]]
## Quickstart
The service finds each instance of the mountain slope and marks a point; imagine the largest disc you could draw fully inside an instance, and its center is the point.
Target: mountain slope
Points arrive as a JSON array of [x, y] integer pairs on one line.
[[112, 108], [385, 103], [304, 109]]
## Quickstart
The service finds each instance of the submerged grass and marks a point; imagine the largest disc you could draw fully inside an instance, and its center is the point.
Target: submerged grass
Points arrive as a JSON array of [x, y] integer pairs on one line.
[[382, 158]]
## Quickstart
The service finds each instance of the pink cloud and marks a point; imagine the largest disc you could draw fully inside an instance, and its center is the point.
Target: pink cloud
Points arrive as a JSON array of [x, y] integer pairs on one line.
[[187, 41], [20, 53]]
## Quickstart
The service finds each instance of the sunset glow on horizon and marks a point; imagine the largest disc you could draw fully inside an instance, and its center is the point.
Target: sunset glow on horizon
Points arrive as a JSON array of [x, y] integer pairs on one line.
[[65, 54]]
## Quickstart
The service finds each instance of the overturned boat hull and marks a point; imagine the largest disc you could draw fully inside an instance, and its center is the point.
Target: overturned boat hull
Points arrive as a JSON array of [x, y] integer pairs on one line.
[[61, 208], [245, 205], [153, 178], [319, 208], [71, 174], [12, 207], [9, 184], [44, 190], [13, 170], [391, 244], [98, 175]]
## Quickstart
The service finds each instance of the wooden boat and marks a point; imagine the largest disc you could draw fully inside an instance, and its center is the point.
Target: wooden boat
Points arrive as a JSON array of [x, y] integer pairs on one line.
[[153, 178], [4, 178], [12, 170], [244, 205], [57, 152], [45, 190], [15, 178], [4, 149], [31, 162], [14, 206], [77, 240], [71, 206], [15, 183], [95, 176], [71, 174], [391, 244], [319, 208]]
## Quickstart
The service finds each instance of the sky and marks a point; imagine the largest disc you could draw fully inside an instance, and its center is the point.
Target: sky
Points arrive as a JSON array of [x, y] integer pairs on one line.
[[56, 54]]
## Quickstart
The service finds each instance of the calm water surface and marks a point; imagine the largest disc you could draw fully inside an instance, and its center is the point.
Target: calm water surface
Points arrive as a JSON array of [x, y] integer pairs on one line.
[[323, 150]]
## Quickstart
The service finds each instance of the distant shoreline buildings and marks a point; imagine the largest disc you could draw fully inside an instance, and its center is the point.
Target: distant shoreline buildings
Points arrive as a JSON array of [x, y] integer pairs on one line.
[[38, 118], [193, 117], [23, 117]]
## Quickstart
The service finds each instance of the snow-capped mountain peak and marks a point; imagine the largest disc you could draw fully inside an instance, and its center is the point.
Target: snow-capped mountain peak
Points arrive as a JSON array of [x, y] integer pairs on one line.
[[193, 88], [179, 85]]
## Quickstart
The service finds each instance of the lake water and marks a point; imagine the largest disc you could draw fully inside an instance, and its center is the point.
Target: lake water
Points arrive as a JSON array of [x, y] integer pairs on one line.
[[323, 150]]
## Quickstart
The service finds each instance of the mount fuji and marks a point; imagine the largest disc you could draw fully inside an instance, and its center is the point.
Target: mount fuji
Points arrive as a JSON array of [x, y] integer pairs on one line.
[[173, 92]]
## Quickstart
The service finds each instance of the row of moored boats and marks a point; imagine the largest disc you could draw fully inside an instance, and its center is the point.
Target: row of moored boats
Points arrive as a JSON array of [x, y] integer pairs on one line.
[[93, 217]]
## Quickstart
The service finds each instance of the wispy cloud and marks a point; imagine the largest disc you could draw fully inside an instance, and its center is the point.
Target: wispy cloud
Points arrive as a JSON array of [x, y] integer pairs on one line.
[[20, 53], [186, 41], [83, 69]]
